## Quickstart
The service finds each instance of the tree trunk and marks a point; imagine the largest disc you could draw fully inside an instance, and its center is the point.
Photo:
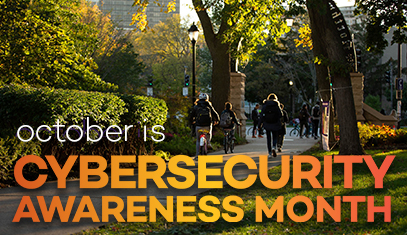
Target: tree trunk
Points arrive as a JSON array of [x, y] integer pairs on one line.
[[328, 48], [324, 82], [220, 78], [220, 57]]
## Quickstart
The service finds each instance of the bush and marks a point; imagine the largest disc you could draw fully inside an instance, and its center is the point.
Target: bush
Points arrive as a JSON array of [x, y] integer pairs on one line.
[[373, 135], [144, 110], [380, 136], [373, 101], [23, 105], [12, 149], [179, 144]]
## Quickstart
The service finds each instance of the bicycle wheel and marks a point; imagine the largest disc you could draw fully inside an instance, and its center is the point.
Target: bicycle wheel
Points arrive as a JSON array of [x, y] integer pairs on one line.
[[226, 144], [250, 131], [294, 132]]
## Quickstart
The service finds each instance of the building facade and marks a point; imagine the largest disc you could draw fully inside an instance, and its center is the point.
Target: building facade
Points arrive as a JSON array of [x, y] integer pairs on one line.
[[391, 51], [122, 11]]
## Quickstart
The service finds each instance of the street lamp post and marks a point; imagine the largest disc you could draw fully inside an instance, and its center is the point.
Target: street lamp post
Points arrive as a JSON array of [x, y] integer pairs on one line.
[[193, 36], [292, 98]]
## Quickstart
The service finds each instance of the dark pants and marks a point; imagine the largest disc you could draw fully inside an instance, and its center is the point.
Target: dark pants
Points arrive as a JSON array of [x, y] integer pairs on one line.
[[302, 125], [315, 125], [261, 129], [255, 124], [280, 141], [275, 137]]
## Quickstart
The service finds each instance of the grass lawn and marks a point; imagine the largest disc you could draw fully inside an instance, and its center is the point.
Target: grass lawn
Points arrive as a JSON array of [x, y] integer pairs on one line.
[[394, 185]]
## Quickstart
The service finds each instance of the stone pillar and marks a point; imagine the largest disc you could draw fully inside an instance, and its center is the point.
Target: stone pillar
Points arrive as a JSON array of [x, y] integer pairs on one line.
[[237, 87], [357, 88]]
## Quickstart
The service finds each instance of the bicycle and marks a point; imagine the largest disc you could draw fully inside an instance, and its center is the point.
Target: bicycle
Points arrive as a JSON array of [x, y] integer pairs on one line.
[[203, 142], [228, 141], [250, 130], [296, 130]]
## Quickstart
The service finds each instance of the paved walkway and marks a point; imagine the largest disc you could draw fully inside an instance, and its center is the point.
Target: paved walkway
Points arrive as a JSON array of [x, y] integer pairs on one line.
[[10, 197]]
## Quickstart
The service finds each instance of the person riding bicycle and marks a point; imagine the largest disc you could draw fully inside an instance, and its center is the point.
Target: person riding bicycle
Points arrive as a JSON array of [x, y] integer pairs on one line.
[[203, 115], [228, 119]]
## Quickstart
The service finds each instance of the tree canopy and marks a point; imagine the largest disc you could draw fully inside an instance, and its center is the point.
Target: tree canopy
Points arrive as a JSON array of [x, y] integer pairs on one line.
[[381, 16], [112, 49], [242, 25], [165, 49], [40, 45]]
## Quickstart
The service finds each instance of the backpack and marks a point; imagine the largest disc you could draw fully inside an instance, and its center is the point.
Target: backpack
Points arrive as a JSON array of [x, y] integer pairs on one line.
[[271, 114], [225, 119], [301, 115], [203, 116], [315, 111]]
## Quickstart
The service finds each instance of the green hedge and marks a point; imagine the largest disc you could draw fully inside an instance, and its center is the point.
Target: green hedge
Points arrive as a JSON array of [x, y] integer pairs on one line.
[[23, 105], [12, 149], [141, 108]]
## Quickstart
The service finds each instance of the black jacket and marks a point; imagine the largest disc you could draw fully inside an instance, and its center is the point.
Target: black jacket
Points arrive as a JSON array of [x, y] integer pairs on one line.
[[203, 103], [255, 115], [304, 115], [284, 120], [275, 106]]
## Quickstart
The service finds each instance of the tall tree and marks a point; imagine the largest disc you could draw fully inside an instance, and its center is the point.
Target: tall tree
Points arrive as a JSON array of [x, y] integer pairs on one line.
[[381, 16], [111, 48], [38, 45], [330, 53], [274, 66], [165, 49], [233, 29], [321, 73]]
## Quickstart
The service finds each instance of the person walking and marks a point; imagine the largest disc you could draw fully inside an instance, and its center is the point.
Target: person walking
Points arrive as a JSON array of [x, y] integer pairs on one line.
[[316, 116], [304, 116], [270, 119], [203, 117], [255, 118], [282, 132]]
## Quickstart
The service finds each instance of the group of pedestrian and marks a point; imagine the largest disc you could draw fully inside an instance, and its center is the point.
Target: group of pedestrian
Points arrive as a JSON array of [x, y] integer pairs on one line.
[[204, 117], [272, 118], [306, 118]]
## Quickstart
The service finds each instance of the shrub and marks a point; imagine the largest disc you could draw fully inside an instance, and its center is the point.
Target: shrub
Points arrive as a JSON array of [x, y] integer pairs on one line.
[[371, 135], [179, 144], [144, 110], [382, 136], [23, 105], [373, 101], [178, 114], [11, 149]]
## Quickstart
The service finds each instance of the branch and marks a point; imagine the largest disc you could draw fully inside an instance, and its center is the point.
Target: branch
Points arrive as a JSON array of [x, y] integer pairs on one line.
[[206, 23]]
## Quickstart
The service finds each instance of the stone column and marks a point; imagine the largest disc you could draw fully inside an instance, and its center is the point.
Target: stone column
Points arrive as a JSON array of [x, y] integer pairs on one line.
[[237, 87], [357, 88]]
